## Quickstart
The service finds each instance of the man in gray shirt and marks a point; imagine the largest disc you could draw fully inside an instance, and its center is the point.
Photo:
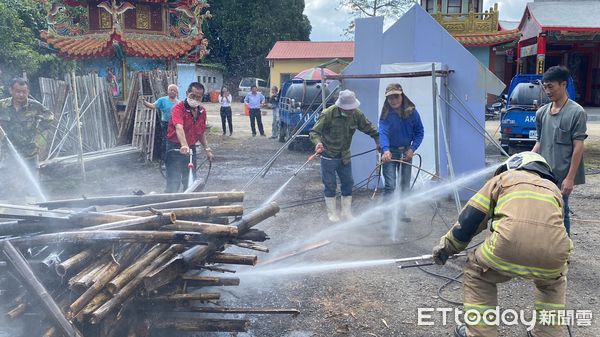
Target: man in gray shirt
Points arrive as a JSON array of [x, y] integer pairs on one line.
[[561, 129]]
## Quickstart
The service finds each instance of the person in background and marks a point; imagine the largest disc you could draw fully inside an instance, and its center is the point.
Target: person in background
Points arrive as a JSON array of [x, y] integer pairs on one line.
[[527, 240], [274, 101], [561, 129], [255, 101], [25, 120], [225, 101], [401, 133], [26, 123], [164, 105], [186, 127], [332, 136]]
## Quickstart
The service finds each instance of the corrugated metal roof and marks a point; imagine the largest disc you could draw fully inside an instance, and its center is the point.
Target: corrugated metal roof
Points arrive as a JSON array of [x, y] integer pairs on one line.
[[311, 50], [576, 14]]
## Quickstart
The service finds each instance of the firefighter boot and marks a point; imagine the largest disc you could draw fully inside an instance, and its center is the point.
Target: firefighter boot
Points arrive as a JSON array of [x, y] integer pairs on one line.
[[347, 207], [331, 209]]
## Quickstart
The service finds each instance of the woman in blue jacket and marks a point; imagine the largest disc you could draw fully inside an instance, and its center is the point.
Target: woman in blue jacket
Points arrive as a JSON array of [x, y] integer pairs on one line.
[[400, 133]]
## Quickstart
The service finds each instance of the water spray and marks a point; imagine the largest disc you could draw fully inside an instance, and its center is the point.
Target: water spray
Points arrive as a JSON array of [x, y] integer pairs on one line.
[[23, 165], [280, 189]]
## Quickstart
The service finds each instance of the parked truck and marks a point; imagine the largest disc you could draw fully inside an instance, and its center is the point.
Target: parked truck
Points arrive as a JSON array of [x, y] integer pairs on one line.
[[299, 100], [517, 122]]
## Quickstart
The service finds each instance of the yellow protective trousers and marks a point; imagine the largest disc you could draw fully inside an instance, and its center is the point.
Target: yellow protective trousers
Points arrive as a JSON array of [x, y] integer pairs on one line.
[[480, 295]]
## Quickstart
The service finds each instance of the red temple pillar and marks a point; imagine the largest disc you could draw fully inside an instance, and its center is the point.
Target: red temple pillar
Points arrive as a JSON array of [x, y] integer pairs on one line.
[[519, 62], [541, 53]]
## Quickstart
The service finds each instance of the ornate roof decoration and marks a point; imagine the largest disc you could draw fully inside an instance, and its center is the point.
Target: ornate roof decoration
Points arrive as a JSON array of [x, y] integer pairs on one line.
[[167, 30], [488, 39]]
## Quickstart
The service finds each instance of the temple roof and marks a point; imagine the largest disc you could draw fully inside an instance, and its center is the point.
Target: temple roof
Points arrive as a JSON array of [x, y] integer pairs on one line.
[[71, 33], [488, 39], [98, 45]]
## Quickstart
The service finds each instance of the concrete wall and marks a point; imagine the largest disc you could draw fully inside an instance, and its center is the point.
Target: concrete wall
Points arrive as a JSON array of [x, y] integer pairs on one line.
[[212, 79], [482, 54], [186, 74], [295, 66]]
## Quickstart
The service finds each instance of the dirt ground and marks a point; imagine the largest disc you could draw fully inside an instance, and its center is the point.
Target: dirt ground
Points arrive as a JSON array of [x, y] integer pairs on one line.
[[372, 301]]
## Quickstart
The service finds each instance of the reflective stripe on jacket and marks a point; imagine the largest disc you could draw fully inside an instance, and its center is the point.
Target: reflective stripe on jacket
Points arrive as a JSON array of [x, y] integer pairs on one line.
[[528, 235]]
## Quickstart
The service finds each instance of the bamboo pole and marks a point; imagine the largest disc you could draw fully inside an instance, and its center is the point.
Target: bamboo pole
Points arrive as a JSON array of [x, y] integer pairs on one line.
[[75, 261], [103, 278], [149, 221], [196, 202], [93, 237], [17, 311], [205, 281], [37, 289], [186, 297], [248, 260], [250, 245], [201, 324], [195, 255], [129, 273], [83, 279], [77, 120], [222, 310], [128, 289], [141, 199], [202, 227], [195, 212]]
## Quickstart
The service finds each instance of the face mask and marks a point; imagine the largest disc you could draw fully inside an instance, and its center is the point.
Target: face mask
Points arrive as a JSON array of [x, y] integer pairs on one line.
[[193, 103]]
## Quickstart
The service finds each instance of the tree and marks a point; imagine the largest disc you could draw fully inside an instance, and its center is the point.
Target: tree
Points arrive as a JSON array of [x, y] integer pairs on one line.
[[241, 33], [390, 9], [21, 22]]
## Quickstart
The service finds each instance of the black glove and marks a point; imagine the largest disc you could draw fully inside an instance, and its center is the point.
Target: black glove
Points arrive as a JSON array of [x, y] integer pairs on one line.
[[440, 255]]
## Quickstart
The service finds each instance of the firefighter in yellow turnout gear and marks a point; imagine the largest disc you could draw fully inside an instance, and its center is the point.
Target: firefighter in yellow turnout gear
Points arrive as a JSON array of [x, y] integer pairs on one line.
[[528, 240]]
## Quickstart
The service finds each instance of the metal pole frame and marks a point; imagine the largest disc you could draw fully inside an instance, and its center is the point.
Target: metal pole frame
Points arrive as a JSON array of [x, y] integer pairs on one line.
[[78, 121]]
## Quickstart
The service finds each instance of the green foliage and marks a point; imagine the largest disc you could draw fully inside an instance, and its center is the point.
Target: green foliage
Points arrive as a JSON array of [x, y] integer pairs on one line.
[[21, 22], [390, 9], [241, 33]]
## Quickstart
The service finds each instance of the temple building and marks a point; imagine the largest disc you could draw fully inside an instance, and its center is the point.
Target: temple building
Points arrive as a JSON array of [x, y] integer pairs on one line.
[[115, 37], [563, 33], [480, 31]]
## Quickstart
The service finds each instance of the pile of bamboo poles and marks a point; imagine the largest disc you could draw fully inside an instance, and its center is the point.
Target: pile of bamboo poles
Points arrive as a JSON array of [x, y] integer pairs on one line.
[[98, 114], [142, 264]]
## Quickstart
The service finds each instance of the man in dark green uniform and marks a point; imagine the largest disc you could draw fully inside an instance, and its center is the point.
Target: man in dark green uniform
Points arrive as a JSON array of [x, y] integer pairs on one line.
[[24, 122], [332, 136]]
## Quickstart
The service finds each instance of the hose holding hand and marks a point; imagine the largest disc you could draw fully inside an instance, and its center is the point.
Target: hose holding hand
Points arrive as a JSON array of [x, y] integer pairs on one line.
[[440, 255]]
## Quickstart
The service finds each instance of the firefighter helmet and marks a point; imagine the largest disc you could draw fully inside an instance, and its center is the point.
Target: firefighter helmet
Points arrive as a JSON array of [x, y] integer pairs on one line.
[[529, 161]]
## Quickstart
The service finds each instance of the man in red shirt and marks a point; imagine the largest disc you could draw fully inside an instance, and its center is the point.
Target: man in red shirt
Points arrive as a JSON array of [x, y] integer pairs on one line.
[[186, 127]]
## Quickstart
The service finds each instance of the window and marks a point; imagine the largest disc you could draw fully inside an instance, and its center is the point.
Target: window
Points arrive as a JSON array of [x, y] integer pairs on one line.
[[147, 17], [476, 8], [209, 78], [214, 79], [203, 79], [262, 83], [454, 6], [428, 4]]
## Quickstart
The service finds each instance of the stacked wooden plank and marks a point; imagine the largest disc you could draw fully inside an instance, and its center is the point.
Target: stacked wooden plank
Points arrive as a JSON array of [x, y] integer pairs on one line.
[[130, 270]]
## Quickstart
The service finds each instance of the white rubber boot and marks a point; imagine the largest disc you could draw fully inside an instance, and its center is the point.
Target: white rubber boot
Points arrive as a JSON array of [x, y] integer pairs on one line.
[[347, 207], [332, 209]]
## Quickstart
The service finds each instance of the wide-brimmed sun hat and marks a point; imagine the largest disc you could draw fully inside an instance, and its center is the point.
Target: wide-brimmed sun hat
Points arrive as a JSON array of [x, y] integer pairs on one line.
[[347, 100]]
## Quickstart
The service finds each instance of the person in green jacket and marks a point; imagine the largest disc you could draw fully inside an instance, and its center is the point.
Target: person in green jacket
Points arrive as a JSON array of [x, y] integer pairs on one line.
[[332, 136]]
